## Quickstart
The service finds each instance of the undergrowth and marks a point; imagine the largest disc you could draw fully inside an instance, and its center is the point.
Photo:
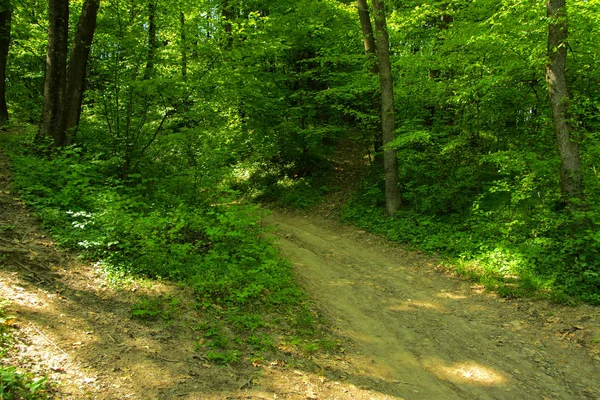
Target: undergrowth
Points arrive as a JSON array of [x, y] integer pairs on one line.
[[289, 185], [145, 225], [514, 251]]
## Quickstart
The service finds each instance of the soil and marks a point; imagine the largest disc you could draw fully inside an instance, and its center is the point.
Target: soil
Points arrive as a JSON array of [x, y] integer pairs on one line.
[[416, 332], [408, 330]]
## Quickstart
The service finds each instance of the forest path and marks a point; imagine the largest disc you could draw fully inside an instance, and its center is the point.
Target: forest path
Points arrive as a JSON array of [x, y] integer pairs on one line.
[[75, 326], [409, 332], [417, 334]]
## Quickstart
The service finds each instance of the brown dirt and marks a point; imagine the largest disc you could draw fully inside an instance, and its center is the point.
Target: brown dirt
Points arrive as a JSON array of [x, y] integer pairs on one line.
[[407, 330], [419, 334]]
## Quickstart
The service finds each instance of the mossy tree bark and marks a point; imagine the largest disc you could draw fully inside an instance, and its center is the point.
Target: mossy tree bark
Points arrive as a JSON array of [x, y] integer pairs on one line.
[[571, 176], [371, 52], [393, 196]]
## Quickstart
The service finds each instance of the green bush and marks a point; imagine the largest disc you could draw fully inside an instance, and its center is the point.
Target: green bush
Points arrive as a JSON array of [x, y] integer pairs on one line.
[[135, 226], [21, 386], [517, 248]]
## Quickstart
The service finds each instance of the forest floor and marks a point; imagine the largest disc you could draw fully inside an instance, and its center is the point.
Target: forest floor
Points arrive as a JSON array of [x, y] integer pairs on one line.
[[416, 332], [408, 329]]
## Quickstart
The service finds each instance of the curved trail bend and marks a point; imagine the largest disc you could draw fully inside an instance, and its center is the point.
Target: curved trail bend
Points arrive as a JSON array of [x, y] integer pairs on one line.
[[414, 333]]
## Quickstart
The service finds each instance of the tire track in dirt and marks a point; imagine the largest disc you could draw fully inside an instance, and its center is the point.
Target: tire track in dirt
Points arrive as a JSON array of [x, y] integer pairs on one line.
[[429, 336]]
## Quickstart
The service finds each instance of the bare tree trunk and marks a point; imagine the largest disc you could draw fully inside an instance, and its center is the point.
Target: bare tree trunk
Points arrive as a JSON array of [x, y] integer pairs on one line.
[[5, 23], [78, 65], [53, 122], [183, 46], [371, 52], [152, 44], [570, 167], [367, 31], [393, 197]]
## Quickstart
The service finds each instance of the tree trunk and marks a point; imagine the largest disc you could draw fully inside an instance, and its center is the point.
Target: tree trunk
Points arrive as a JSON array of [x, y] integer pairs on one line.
[[368, 37], [183, 46], [393, 197], [570, 160], [53, 121], [78, 64], [228, 14], [152, 44], [5, 23], [371, 52]]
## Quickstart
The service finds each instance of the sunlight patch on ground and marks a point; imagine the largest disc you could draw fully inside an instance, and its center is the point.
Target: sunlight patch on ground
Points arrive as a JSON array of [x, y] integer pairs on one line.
[[21, 296], [411, 305], [451, 296], [469, 372]]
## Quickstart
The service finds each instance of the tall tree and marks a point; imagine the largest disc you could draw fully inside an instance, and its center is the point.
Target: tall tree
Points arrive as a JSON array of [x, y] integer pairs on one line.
[[5, 24], [393, 197], [78, 64], [152, 42], [371, 52], [183, 45], [367, 32], [53, 115], [228, 15], [571, 176]]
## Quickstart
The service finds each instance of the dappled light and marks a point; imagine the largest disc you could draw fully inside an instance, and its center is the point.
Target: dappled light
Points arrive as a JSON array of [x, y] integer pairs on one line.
[[416, 304], [451, 296], [301, 200], [467, 372], [78, 342]]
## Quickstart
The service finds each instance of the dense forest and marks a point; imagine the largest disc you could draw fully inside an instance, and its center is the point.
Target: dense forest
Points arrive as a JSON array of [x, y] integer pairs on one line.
[[151, 135], [164, 123]]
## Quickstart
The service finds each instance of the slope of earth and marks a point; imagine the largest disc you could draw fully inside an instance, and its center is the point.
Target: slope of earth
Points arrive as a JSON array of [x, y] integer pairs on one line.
[[414, 333], [408, 332], [75, 327]]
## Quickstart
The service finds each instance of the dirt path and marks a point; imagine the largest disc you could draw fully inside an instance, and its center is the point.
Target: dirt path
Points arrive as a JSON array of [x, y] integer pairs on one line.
[[75, 327], [417, 334], [408, 331]]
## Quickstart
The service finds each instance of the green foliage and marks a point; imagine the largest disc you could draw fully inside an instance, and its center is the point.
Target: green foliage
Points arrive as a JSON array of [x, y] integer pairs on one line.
[[516, 248], [249, 105], [225, 342], [152, 308], [216, 339], [26, 60], [216, 249], [161, 226], [479, 169], [299, 193], [222, 357], [20, 386]]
